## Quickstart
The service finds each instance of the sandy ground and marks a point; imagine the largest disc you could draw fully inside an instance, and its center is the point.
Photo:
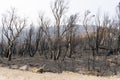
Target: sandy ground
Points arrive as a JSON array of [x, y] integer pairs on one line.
[[10, 74]]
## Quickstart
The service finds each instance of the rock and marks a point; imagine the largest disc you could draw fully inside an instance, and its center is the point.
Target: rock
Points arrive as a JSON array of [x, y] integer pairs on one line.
[[37, 70], [24, 68], [14, 66]]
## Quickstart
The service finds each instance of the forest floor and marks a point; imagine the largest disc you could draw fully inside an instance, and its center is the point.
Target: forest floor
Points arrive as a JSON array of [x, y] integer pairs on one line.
[[20, 68]]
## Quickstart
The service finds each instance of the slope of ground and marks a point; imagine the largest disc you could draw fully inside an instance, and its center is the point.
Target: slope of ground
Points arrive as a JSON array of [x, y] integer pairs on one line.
[[75, 65]]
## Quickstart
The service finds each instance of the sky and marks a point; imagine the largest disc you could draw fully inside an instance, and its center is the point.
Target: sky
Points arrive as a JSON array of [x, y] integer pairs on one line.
[[31, 8]]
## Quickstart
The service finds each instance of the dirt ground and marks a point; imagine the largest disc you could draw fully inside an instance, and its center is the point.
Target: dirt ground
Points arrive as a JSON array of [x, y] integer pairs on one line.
[[77, 65], [10, 74], [54, 70]]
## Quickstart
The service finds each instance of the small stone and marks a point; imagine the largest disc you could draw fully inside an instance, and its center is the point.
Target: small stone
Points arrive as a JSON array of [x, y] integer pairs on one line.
[[14, 66], [24, 68]]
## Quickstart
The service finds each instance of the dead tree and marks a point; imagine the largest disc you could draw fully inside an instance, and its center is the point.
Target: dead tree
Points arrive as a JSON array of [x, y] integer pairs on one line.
[[86, 24], [12, 27], [70, 34], [58, 9], [29, 42], [46, 41], [2, 45]]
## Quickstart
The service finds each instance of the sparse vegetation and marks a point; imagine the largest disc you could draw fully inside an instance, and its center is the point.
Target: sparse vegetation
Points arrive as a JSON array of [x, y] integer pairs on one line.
[[61, 46]]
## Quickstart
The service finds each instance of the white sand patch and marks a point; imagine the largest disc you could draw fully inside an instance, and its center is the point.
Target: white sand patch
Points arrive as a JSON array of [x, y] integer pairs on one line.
[[9, 74]]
